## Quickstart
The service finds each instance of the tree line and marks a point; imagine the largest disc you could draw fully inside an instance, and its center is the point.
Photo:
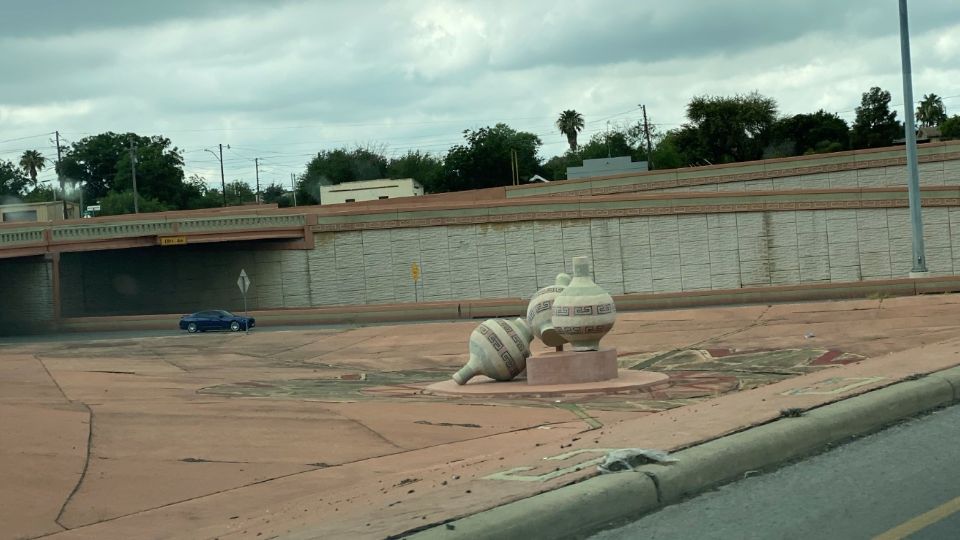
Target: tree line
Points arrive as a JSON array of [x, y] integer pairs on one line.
[[718, 129]]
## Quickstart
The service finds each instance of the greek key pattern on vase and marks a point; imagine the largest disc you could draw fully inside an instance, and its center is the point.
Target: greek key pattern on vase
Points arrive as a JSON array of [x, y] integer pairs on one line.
[[538, 309], [585, 330], [499, 346], [602, 309]]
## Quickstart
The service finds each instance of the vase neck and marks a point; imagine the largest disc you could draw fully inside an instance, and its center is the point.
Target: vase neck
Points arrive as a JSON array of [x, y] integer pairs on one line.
[[581, 267]]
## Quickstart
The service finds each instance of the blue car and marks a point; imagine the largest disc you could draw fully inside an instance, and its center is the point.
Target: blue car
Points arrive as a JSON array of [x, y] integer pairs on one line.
[[217, 319]]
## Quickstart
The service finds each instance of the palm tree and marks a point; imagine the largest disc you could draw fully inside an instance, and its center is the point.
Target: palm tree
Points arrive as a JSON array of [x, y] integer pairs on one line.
[[931, 111], [570, 123], [32, 162]]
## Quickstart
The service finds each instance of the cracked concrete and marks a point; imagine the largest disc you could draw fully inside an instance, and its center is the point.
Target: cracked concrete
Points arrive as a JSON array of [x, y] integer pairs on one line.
[[124, 438]]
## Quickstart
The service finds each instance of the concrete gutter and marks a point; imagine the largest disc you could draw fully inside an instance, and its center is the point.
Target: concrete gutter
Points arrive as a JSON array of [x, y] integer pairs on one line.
[[604, 501]]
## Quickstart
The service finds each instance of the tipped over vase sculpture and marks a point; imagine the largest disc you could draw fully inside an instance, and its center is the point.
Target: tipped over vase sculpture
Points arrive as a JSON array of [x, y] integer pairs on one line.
[[540, 312], [584, 312], [498, 349]]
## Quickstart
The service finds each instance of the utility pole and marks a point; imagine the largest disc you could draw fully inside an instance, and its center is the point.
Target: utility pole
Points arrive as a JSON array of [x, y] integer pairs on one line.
[[919, 259], [516, 159], [293, 186], [223, 183], [63, 191], [608, 139], [133, 172], [256, 164], [646, 131]]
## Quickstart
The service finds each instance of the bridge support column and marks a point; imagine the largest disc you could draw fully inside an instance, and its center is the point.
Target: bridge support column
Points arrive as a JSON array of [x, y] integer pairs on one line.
[[54, 259]]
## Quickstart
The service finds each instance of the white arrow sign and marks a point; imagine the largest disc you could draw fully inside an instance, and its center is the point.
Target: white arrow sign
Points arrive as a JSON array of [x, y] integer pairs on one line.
[[243, 281]]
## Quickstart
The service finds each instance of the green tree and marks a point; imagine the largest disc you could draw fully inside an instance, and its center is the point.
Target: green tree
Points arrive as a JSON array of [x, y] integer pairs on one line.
[[556, 167], [159, 172], [276, 194], [103, 163], [239, 193], [951, 127], [121, 202], [484, 159], [875, 125], [931, 111], [93, 161], [611, 143], [726, 129], [421, 166], [808, 134], [32, 162], [40, 194], [195, 194], [667, 153], [338, 166], [12, 181], [570, 123]]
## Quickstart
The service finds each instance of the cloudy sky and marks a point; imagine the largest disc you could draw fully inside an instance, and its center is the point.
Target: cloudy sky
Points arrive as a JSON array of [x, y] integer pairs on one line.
[[281, 80]]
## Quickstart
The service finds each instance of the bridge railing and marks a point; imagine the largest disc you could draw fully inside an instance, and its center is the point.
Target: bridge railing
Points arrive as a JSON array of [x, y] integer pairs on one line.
[[109, 230], [163, 226], [215, 224], [18, 237]]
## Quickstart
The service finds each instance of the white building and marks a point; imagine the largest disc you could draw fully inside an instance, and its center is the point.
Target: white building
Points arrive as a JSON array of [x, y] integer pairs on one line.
[[38, 211], [370, 190]]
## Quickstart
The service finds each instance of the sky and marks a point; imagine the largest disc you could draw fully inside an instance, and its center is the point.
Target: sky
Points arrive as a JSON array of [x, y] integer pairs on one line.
[[282, 80]]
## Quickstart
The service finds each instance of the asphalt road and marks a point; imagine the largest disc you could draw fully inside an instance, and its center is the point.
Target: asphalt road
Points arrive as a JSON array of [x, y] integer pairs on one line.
[[903, 482]]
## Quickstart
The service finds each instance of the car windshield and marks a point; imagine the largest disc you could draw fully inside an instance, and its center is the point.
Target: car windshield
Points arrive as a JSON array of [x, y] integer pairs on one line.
[[224, 313]]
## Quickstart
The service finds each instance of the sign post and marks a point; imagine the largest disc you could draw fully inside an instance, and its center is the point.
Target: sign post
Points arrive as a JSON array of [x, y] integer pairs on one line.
[[415, 273], [244, 283]]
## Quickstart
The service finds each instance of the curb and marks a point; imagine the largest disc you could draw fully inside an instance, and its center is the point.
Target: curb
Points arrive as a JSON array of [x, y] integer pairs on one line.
[[587, 507]]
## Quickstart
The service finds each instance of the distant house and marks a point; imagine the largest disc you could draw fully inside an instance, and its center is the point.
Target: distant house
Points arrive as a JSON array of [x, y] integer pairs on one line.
[[40, 211], [924, 135], [606, 167], [370, 190]]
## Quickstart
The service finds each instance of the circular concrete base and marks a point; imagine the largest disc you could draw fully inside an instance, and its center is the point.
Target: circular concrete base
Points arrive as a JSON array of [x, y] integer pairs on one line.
[[481, 386]]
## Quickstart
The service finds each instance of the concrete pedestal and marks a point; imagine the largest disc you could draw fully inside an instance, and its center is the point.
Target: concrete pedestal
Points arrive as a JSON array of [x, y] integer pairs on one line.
[[572, 367]]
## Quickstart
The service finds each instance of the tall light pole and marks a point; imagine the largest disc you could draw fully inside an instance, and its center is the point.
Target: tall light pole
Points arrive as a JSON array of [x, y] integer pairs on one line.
[[256, 165], [646, 132], [223, 182], [919, 267], [133, 172], [63, 190]]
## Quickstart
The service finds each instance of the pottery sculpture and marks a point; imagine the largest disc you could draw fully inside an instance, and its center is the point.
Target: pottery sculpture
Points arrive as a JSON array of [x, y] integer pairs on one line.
[[540, 312], [498, 349], [584, 312]]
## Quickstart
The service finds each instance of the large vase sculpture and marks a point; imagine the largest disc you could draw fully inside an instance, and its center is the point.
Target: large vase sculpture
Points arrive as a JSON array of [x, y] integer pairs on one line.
[[498, 349], [540, 312], [583, 313]]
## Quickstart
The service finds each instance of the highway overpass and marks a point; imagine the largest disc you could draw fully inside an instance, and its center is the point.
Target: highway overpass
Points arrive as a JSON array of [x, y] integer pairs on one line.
[[812, 220]]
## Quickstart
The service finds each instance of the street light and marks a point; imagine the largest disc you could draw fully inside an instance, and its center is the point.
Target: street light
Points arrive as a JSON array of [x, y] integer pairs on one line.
[[919, 267], [223, 183]]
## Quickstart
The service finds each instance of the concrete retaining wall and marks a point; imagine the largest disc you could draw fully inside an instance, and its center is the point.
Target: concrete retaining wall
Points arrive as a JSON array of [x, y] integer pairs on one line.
[[937, 173], [670, 253], [26, 294]]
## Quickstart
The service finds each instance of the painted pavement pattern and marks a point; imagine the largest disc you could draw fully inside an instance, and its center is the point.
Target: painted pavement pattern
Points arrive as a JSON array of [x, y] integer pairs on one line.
[[329, 432]]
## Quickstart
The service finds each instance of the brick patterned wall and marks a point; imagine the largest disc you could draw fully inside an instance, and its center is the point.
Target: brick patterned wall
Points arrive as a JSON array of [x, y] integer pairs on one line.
[[26, 293], [936, 173], [668, 253]]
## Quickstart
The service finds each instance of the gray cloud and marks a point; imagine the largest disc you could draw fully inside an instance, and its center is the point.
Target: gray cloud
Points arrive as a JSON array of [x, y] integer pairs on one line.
[[284, 79]]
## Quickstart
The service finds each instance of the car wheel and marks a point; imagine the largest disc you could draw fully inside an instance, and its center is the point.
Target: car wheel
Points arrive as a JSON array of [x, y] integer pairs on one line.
[[192, 328], [234, 326]]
